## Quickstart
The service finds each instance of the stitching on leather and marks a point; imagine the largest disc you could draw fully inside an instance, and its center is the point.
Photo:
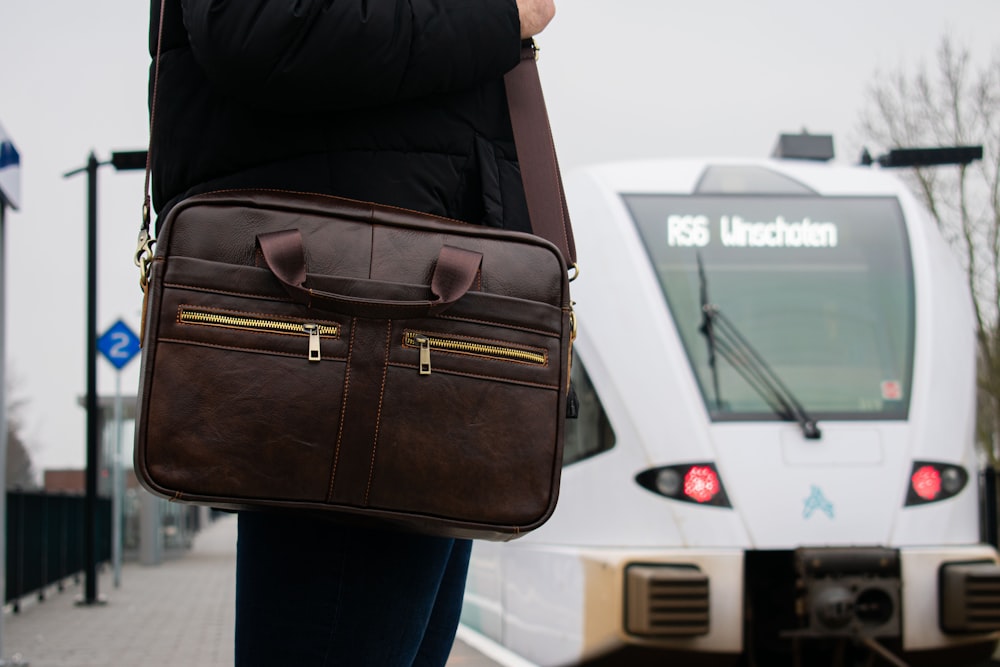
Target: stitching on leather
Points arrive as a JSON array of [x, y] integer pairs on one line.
[[493, 323], [214, 290], [378, 415], [236, 348], [343, 412], [499, 378]]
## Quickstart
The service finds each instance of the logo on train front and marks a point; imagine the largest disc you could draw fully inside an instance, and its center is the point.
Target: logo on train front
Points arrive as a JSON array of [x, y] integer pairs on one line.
[[817, 502]]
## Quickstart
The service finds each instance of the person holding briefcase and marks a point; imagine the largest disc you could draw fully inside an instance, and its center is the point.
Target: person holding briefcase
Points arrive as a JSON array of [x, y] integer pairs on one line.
[[399, 102]]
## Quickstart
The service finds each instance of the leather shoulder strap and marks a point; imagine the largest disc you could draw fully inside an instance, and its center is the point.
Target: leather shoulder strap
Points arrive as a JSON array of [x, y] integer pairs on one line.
[[536, 155]]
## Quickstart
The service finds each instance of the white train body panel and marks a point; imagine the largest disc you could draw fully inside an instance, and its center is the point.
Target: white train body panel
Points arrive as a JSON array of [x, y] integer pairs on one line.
[[556, 596]]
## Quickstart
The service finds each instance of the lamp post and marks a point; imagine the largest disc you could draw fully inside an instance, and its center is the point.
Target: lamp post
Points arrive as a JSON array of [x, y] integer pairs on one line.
[[122, 160], [10, 197]]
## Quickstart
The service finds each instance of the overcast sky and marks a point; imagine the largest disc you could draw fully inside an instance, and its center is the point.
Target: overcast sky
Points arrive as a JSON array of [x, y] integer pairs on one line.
[[623, 79]]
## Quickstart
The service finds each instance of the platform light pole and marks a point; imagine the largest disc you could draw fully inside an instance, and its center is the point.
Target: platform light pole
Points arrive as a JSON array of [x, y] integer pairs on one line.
[[10, 197], [3, 410], [121, 160]]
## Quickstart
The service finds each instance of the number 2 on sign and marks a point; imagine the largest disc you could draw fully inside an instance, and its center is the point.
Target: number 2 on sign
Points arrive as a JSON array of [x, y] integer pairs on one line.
[[119, 348]]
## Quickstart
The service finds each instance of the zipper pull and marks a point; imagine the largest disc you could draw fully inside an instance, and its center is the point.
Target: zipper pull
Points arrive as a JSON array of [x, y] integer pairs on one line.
[[424, 343], [314, 351]]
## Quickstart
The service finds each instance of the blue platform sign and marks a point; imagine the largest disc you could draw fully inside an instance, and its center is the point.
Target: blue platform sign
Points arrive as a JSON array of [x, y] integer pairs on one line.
[[10, 171], [118, 344]]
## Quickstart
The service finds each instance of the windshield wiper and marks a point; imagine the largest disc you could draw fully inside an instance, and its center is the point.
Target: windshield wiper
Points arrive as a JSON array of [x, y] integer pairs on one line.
[[723, 337], [708, 330]]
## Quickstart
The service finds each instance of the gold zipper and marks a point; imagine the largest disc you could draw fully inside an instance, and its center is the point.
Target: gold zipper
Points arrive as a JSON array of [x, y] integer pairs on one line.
[[425, 344], [310, 329]]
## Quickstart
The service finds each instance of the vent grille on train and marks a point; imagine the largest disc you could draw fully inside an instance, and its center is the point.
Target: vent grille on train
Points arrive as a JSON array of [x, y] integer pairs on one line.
[[970, 597], [666, 601]]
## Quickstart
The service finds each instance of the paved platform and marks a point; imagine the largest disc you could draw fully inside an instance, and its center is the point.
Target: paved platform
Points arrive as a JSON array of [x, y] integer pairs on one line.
[[177, 613]]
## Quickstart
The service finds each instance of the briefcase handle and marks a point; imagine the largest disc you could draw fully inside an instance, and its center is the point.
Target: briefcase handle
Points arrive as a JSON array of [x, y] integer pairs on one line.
[[454, 273]]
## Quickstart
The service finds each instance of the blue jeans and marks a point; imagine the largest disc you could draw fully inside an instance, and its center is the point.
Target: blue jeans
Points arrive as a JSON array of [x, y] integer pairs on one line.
[[311, 592]]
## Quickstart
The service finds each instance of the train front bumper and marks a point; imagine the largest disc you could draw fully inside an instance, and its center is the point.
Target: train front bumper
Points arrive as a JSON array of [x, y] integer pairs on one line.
[[919, 598], [951, 596]]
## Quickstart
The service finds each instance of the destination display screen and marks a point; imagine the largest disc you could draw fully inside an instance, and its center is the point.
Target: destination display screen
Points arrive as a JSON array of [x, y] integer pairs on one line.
[[819, 288]]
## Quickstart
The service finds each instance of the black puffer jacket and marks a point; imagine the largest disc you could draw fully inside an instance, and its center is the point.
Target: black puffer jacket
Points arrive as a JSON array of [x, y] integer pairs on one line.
[[395, 101]]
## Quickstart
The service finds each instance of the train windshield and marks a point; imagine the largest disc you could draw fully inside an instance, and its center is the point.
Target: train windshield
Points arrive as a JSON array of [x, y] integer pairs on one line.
[[819, 288]]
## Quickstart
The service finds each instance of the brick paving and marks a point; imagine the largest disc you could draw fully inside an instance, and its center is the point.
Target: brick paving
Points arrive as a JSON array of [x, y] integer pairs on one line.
[[179, 613]]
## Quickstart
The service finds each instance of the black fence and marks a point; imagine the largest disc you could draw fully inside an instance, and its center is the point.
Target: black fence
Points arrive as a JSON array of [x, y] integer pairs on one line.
[[45, 540]]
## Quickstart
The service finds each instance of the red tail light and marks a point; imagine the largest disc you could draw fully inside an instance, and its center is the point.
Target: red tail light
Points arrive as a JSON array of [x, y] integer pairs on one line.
[[701, 484], [926, 482], [931, 481], [691, 482]]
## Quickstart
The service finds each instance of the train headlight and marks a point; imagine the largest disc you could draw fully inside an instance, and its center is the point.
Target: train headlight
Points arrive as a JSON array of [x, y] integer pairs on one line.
[[691, 482], [931, 481], [669, 482], [953, 480]]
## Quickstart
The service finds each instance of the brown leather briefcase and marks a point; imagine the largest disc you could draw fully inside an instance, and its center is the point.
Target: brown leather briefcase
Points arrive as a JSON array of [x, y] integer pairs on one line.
[[320, 354]]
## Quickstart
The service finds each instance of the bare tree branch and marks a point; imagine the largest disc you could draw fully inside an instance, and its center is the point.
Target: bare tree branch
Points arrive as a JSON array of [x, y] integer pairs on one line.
[[20, 471], [954, 105]]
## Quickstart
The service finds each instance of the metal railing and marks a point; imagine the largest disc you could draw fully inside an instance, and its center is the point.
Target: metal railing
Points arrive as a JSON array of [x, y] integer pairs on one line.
[[45, 541]]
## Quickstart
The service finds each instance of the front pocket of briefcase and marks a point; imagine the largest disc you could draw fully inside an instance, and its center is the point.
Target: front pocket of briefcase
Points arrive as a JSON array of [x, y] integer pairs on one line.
[[245, 396], [470, 423]]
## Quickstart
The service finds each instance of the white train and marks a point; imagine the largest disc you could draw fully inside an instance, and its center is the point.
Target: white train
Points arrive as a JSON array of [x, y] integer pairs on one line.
[[774, 460]]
